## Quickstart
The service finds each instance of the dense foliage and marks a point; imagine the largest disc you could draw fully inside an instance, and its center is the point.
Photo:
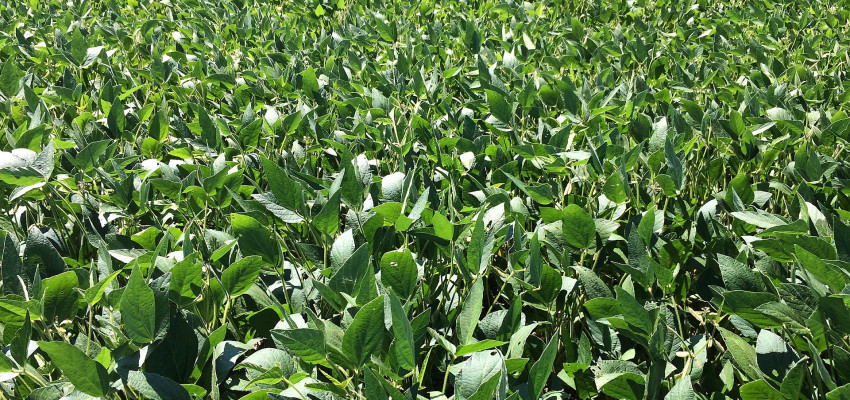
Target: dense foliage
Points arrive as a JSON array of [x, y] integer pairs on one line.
[[380, 199]]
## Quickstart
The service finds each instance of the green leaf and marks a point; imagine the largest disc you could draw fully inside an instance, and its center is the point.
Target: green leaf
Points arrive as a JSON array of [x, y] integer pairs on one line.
[[137, 309], [158, 128], [10, 78], [470, 311], [839, 393], [241, 275], [254, 238], [15, 280], [268, 201], [41, 255], [392, 187], [498, 106], [399, 272], [779, 114], [793, 381], [19, 347], [7, 366], [343, 247], [480, 247], [773, 355], [742, 353], [737, 276], [209, 132], [442, 227], [156, 387], [633, 312], [742, 188], [24, 176], [284, 188], [442, 341], [534, 271], [593, 285], [372, 388], [737, 123], [539, 373], [187, 280], [348, 278], [674, 165], [579, 228], [87, 375], [403, 224], [481, 377], [309, 83], [365, 335], [404, 346], [759, 390], [614, 188], [760, 219], [602, 307], [820, 368], [478, 346], [90, 155], [352, 187], [78, 46], [682, 390], [306, 344], [540, 193], [116, 119], [828, 274], [327, 220], [59, 300]]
